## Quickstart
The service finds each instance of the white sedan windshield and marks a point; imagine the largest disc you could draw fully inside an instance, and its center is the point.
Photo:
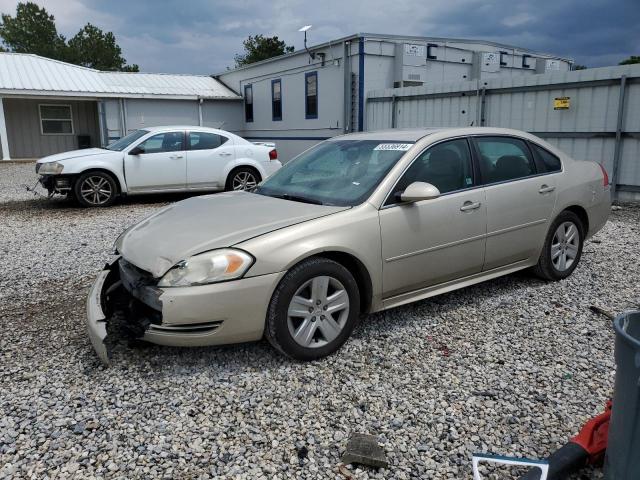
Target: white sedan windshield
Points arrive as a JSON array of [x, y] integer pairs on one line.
[[340, 172], [127, 140]]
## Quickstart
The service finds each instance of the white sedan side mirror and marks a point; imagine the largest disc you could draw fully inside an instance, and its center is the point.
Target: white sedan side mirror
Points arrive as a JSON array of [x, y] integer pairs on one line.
[[419, 191]]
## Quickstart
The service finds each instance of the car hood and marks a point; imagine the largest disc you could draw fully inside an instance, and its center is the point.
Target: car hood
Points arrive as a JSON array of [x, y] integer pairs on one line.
[[85, 152], [208, 222]]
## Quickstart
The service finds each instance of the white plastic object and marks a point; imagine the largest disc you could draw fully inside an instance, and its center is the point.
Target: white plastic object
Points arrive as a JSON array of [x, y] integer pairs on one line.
[[543, 465]]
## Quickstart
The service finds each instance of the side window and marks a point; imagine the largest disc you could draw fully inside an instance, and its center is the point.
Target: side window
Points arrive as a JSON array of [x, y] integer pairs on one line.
[[205, 140], [276, 100], [311, 95], [503, 159], [164, 142], [549, 160], [248, 103], [446, 165]]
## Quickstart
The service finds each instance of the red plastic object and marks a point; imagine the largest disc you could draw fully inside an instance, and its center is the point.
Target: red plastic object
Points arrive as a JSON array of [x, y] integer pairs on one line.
[[594, 436], [273, 154]]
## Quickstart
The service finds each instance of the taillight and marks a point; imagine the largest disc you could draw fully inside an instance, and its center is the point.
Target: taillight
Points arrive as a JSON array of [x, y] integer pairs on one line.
[[273, 154], [605, 176]]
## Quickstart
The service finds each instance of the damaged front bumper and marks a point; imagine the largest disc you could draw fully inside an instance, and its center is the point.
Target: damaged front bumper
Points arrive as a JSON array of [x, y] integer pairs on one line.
[[126, 300], [61, 184], [96, 319]]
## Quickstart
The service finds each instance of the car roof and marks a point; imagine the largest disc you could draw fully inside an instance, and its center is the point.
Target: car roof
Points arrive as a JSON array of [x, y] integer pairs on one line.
[[415, 134], [165, 128]]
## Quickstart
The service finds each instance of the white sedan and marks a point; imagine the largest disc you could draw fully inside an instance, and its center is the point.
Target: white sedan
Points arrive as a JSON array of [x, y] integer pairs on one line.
[[158, 159]]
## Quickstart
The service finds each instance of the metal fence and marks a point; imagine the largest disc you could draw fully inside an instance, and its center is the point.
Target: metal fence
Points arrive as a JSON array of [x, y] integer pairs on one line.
[[591, 114]]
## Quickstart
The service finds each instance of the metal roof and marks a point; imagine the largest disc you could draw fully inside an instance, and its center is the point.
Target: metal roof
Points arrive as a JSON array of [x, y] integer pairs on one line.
[[450, 42], [27, 74]]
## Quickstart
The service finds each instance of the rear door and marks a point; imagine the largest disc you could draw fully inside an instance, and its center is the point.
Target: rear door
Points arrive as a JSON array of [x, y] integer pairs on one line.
[[519, 196], [207, 155], [161, 165]]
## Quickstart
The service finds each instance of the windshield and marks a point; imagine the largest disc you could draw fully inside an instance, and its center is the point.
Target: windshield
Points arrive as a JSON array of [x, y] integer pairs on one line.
[[342, 172], [127, 140]]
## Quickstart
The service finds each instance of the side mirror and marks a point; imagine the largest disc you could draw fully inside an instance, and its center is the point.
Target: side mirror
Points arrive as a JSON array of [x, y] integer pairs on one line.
[[136, 150], [419, 191]]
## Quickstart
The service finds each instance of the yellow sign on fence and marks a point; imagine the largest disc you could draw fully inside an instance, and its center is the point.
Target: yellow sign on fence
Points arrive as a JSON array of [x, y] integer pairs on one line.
[[561, 103]]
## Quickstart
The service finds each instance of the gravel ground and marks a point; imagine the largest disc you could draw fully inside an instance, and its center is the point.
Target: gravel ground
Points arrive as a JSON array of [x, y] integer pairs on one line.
[[514, 366]]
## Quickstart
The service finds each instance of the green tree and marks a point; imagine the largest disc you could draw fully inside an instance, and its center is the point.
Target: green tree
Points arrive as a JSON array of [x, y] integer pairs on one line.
[[258, 47], [631, 60], [32, 30], [93, 48], [580, 67]]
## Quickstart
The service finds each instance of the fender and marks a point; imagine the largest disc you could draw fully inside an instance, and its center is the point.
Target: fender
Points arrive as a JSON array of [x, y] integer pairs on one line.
[[111, 162]]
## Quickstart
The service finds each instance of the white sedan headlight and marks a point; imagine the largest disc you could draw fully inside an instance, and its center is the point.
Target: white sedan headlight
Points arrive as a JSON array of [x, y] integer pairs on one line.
[[51, 168], [209, 267]]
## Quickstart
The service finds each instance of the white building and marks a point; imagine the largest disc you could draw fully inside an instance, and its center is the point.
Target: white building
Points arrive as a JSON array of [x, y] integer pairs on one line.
[[48, 106], [309, 95]]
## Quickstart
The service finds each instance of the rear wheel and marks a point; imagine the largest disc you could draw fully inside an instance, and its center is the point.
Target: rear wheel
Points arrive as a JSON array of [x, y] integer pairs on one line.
[[313, 310], [95, 189], [562, 248], [243, 178]]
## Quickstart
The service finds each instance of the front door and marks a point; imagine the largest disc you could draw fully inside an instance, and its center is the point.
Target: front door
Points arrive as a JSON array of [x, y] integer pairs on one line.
[[519, 200], [162, 164], [207, 155], [433, 241]]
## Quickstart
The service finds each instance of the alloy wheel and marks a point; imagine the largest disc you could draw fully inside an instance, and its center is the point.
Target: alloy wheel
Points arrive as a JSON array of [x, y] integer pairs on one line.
[[565, 246], [96, 190], [244, 180], [318, 312]]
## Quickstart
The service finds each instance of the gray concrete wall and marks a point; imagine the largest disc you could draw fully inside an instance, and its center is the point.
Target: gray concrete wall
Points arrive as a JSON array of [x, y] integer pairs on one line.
[[24, 133]]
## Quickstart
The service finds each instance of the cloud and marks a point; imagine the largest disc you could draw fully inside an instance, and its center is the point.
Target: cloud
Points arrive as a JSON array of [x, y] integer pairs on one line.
[[202, 36]]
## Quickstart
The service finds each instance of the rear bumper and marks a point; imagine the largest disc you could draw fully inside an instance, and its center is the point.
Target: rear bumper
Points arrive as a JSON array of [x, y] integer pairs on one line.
[[599, 213], [216, 314]]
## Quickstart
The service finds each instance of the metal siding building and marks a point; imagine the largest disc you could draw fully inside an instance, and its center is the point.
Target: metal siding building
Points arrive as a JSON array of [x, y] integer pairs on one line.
[[348, 68], [98, 107], [601, 122]]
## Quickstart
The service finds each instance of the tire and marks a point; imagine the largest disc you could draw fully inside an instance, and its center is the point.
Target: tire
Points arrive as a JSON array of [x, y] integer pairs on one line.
[[242, 178], [314, 331], [95, 189], [560, 256]]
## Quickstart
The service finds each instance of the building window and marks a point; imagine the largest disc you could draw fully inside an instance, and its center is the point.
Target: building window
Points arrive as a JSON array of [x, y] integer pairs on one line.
[[248, 103], [311, 95], [56, 120], [276, 100]]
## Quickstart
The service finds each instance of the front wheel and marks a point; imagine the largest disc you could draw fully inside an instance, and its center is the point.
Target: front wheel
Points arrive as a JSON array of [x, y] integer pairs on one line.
[[562, 248], [95, 189], [243, 178], [313, 310]]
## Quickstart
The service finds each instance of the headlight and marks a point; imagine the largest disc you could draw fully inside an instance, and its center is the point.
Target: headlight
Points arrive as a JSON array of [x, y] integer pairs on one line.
[[209, 267], [50, 168]]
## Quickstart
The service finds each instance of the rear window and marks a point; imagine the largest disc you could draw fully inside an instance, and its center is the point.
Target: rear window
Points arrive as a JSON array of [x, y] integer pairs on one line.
[[549, 160]]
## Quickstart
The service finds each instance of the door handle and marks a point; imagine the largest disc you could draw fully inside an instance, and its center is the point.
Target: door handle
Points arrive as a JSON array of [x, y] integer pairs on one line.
[[174, 157], [546, 189], [467, 206], [224, 154]]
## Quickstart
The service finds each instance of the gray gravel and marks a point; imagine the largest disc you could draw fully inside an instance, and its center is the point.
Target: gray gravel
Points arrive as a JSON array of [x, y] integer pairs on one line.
[[513, 366]]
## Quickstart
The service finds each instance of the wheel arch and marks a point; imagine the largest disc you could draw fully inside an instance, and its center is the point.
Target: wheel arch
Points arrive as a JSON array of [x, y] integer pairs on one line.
[[112, 174], [582, 214], [244, 163], [356, 268]]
